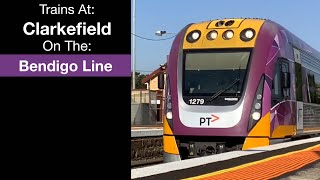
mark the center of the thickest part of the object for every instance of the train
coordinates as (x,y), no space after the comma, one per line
(237,84)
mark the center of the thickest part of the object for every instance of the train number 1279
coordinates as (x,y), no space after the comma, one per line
(196,101)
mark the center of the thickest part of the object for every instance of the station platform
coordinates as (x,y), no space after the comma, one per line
(268,168)
(146,131)
(285,161)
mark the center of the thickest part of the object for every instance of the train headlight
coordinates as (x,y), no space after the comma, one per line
(256,109)
(212,35)
(256,115)
(169,115)
(228,34)
(193,36)
(247,34)
(257,106)
(168,107)
(259,96)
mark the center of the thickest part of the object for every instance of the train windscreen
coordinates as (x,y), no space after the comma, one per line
(214,74)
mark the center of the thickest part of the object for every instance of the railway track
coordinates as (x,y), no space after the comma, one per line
(146,162)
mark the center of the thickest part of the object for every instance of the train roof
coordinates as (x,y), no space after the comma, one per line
(292,38)
(298,43)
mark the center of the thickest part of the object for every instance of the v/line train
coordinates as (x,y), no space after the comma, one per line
(238,84)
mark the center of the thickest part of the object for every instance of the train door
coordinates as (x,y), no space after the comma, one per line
(284,115)
(299,94)
(279,92)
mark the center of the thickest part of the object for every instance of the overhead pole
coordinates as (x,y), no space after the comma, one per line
(134,46)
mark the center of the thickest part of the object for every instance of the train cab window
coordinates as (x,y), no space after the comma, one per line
(217,73)
(278,92)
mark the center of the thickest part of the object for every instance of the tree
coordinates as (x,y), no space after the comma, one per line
(139,78)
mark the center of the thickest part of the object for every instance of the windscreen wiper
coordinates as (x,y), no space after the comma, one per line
(223,90)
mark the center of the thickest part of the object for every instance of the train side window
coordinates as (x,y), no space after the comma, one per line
(299,83)
(314,86)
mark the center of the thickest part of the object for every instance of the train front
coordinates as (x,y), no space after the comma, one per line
(215,89)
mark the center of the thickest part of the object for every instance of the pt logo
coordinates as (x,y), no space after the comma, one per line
(205,121)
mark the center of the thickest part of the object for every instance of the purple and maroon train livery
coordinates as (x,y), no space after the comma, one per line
(238,84)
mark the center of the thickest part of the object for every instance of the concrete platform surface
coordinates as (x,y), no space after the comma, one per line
(146,131)
(311,172)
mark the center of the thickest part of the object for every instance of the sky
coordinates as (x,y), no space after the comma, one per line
(301,17)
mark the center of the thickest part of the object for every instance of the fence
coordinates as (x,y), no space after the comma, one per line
(140,96)
(146,107)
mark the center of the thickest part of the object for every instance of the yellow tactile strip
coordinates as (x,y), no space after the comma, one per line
(268,168)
